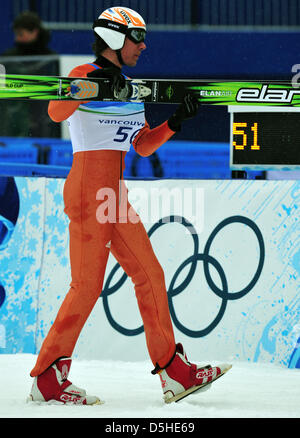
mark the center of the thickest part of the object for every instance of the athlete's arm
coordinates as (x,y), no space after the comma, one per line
(148,140)
(59,111)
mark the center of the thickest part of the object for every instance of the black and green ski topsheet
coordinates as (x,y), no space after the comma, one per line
(267,93)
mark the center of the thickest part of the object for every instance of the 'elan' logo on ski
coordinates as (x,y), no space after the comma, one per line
(215,93)
(265,94)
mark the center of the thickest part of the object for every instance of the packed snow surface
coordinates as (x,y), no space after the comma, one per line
(248,390)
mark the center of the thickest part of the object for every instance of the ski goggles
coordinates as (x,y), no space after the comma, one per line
(136,35)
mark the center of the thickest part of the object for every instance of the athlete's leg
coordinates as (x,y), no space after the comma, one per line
(88,257)
(133,250)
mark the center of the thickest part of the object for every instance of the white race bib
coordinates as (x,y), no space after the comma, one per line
(105,125)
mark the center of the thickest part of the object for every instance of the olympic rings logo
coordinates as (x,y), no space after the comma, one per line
(223,293)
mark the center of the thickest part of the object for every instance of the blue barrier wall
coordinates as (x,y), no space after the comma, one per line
(175,159)
(281,13)
(202,54)
(192,54)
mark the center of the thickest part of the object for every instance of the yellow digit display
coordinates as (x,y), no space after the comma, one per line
(241,132)
(255,146)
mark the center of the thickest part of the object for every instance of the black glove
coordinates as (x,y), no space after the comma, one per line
(118,86)
(186,110)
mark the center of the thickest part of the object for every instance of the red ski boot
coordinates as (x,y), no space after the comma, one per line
(52,386)
(181,378)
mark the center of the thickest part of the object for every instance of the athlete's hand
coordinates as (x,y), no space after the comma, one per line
(186,110)
(117,81)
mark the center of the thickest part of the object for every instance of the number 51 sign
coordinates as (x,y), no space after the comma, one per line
(244,137)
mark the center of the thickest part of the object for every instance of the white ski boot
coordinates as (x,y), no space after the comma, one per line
(52,386)
(182,378)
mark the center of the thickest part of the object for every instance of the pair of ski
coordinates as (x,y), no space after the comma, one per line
(209,92)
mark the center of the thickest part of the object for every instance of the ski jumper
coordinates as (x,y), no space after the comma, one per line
(101,133)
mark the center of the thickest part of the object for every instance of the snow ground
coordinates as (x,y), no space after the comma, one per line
(248,390)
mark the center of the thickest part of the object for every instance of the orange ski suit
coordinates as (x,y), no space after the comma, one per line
(90,241)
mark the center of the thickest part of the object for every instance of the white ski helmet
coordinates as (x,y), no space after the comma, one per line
(114,24)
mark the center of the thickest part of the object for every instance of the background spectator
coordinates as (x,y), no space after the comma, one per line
(25,118)
(31,38)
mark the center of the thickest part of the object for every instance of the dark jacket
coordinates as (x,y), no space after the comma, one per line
(38,47)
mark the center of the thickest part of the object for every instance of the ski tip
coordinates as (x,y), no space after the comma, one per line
(98,402)
(224,367)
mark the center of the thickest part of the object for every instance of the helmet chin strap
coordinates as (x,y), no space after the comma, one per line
(120,59)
